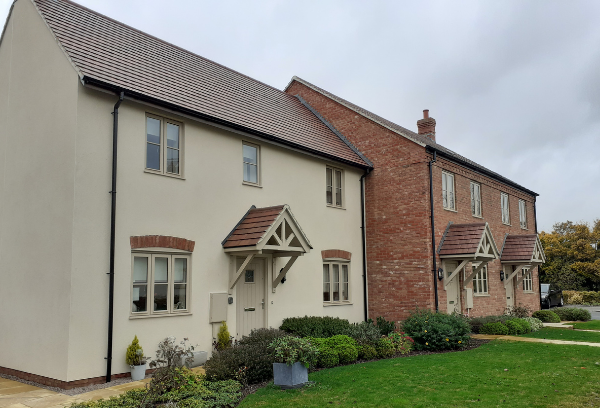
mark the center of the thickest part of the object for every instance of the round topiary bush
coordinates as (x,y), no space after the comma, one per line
(495,328)
(367,352)
(437,331)
(513,327)
(327,357)
(546,316)
(345,346)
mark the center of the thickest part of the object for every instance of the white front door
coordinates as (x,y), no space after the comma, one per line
(510,287)
(250,291)
(452,290)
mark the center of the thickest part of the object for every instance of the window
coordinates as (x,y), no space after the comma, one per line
(480,282)
(336,282)
(251,158)
(448,191)
(476,199)
(528,281)
(334,189)
(160,284)
(505,209)
(522,214)
(164,146)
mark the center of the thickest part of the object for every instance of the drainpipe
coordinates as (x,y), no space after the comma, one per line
(113,208)
(364,240)
(434,270)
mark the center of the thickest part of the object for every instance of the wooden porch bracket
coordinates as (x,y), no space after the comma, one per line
(456,271)
(512,275)
(285,269)
(239,272)
(524,276)
(472,275)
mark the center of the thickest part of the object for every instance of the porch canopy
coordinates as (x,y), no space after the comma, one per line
(267,230)
(521,251)
(466,243)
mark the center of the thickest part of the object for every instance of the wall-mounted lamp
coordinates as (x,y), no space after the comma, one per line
(282,279)
(501,275)
(440,273)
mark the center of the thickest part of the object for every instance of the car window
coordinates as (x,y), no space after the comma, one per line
(545,287)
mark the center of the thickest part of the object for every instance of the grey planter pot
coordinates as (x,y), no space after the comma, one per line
(294,376)
(138,372)
(200,358)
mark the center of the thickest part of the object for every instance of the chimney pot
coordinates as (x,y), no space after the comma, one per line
(425,113)
(426,125)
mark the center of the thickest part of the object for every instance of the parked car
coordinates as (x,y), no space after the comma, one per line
(551,296)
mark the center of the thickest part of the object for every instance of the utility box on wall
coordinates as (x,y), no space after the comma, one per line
(218,307)
(469,298)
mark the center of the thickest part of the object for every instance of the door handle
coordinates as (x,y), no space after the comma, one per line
(263,303)
(249,309)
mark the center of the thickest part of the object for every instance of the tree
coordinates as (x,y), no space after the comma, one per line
(572,256)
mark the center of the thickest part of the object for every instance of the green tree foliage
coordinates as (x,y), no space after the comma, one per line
(572,255)
(135,353)
(223,338)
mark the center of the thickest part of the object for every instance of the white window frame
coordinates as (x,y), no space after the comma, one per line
(341,264)
(480,281)
(171,311)
(523,214)
(448,191)
(476,200)
(258,167)
(335,187)
(504,199)
(528,281)
(163,146)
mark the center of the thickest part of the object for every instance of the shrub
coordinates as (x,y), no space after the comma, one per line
(572,297)
(384,326)
(290,350)
(402,343)
(385,347)
(494,328)
(546,316)
(513,327)
(345,346)
(437,331)
(251,352)
(365,333)
(366,352)
(478,322)
(315,326)
(520,311)
(327,357)
(572,313)
(135,353)
(525,327)
(535,324)
(223,337)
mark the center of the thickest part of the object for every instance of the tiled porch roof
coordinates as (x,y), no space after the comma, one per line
(518,248)
(462,239)
(253,226)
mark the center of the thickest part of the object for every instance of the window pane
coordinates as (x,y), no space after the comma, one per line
(249,278)
(152,156)
(179,296)
(180,270)
(250,154)
(140,269)
(326,288)
(329,190)
(338,197)
(153,130)
(173,161)
(250,173)
(336,283)
(344,282)
(140,298)
(161,270)
(160,297)
(172,135)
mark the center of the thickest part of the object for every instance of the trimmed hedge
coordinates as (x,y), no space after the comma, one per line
(496,328)
(437,331)
(335,350)
(315,326)
(572,313)
(573,297)
(478,322)
(546,316)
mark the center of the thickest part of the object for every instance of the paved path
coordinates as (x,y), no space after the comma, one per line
(532,340)
(14,394)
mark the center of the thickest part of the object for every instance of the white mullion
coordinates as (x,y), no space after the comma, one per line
(151,284)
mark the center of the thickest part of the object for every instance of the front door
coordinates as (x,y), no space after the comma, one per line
(250,291)
(510,287)
(452,289)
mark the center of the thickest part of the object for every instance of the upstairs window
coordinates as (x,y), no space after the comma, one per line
(527,281)
(476,199)
(163,146)
(480,282)
(505,208)
(251,163)
(522,214)
(336,282)
(448,191)
(334,187)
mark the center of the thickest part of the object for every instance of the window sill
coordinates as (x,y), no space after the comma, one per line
(481,295)
(450,209)
(525,229)
(158,173)
(247,183)
(508,225)
(478,216)
(528,292)
(336,207)
(337,304)
(152,316)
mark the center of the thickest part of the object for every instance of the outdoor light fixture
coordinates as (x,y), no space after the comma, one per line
(440,273)
(501,275)
(284,278)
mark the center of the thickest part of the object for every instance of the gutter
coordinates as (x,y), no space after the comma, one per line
(113,208)
(433,254)
(363,222)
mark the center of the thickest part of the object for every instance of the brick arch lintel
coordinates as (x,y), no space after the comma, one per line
(161,241)
(336,253)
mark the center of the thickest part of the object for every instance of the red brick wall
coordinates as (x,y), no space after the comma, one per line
(398,216)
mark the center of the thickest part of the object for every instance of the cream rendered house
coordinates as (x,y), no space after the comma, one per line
(232,200)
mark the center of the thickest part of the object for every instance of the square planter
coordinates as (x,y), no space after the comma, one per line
(294,376)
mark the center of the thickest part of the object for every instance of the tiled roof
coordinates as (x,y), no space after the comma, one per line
(518,248)
(415,137)
(115,56)
(251,229)
(462,239)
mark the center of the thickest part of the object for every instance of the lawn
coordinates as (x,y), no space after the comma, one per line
(564,334)
(591,325)
(500,373)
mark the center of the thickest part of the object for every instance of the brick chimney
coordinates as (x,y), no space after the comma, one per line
(426,125)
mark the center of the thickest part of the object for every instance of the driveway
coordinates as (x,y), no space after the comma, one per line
(594,310)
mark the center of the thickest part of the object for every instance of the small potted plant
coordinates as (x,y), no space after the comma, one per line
(293,356)
(136,360)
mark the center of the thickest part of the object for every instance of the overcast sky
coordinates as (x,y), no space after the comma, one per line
(513,85)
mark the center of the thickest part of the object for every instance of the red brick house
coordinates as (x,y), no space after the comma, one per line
(484,251)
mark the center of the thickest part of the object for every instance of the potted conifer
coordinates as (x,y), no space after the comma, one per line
(293,356)
(136,360)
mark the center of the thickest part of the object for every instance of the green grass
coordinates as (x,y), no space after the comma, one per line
(591,325)
(564,334)
(539,375)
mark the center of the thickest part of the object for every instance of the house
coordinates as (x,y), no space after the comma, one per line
(210,205)
(483,254)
